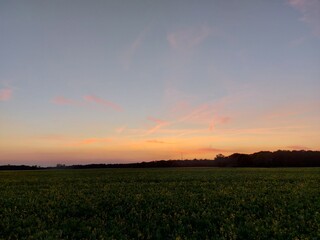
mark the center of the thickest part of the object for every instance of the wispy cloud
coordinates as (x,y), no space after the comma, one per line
(186,120)
(156,141)
(206,114)
(102,102)
(298,147)
(72,141)
(198,114)
(87,101)
(310,10)
(129,53)
(159,124)
(60,100)
(185,39)
(121,129)
(217,121)
(169,131)
(5,94)
(88,141)
(212,150)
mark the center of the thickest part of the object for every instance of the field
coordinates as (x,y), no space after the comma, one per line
(175,203)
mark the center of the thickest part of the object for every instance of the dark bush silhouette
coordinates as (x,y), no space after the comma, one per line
(280,158)
(20,167)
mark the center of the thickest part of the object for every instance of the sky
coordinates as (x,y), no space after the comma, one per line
(120,81)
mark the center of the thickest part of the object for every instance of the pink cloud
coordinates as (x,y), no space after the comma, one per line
(310,10)
(210,149)
(158,121)
(184,119)
(159,124)
(5,94)
(218,121)
(224,119)
(205,114)
(176,132)
(186,39)
(198,114)
(70,141)
(94,140)
(298,147)
(60,100)
(156,141)
(202,115)
(179,107)
(102,102)
(212,126)
(195,118)
(121,129)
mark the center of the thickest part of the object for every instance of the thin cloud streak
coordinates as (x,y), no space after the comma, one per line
(121,129)
(102,102)
(159,124)
(167,131)
(71,141)
(205,116)
(186,39)
(156,141)
(131,51)
(87,99)
(217,121)
(60,100)
(298,147)
(212,150)
(94,141)
(5,94)
(227,132)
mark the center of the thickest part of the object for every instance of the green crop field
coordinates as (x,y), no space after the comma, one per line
(181,203)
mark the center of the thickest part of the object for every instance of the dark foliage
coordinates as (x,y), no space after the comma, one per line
(19,167)
(259,159)
(279,158)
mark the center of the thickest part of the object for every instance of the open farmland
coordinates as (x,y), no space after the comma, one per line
(175,203)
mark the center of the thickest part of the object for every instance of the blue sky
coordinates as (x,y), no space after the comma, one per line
(120,81)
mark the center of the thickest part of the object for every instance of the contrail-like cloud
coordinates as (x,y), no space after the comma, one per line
(102,102)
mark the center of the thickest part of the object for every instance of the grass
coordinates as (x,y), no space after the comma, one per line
(181,203)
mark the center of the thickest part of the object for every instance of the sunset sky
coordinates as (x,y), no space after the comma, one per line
(140,80)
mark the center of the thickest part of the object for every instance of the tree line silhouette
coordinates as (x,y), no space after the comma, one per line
(280,158)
